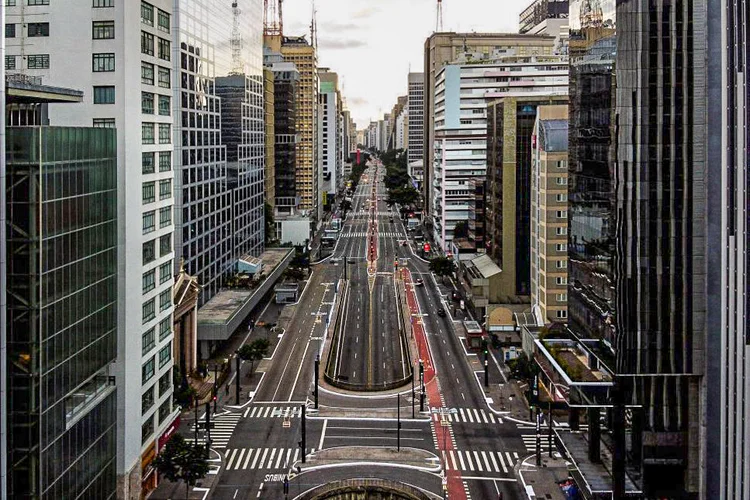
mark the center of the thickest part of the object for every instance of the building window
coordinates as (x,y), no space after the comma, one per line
(104,3)
(149,311)
(104,94)
(10,3)
(37,2)
(165,189)
(561,264)
(165,355)
(165,300)
(562,197)
(561,297)
(165,50)
(165,161)
(165,328)
(147,429)
(103,30)
(104,123)
(165,133)
(149,192)
(149,281)
(147,133)
(165,105)
(147,43)
(561,231)
(561,280)
(37,61)
(10,30)
(147,73)
(147,370)
(10,62)
(147,13)
(165,272)
(147,103)
(148,222)
(38,29)
(561,247)
(165,245)
(165,410)
(561,314)
(562,214)
(561,181)
(148,341)
(165,80)
(165,383)
(163,21)
(147,400)
(147,162)
(165,216)
(149,251)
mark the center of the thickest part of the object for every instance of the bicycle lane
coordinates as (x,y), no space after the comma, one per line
(455,484)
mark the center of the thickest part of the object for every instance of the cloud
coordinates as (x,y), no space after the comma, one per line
(341,43)
(365,12)
(333,26)
(357,101)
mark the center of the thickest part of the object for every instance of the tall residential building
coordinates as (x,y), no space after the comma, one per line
(415,135)
(384,132)
(402,122)
(63,265)
(461,93)
(286,79)
(302,54)
(443,48)
(549,199)
(270,138)
(329,135)
(727,371)
(120,54)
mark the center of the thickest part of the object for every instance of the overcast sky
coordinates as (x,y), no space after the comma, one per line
(372,44)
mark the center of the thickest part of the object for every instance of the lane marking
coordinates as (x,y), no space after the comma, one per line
(323,434)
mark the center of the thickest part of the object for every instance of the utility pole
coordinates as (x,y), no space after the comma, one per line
(208,426)
(237,388)
(412,395)
(486,368)
(317,372)
(421,383)
(303,441)
(538,437)
(549,434)
(196,404)
(398,427)
(216,387)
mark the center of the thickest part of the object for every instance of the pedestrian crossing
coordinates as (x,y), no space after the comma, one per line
(272,412)
(367,213)
(387,234)
(261,458)
(479,461)
(223,427)
(529,441)
(466,415)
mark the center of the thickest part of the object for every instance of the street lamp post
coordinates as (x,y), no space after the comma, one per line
(237,375)
(398,427)
(317,373)
(216,387)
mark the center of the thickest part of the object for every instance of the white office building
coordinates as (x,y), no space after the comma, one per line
(461,91)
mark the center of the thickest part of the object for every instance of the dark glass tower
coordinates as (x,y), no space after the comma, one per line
(62,312)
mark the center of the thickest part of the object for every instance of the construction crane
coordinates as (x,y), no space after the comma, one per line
(273,17)
(439,18)
(238,65)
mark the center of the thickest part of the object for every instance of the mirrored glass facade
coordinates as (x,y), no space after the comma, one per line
(62,311)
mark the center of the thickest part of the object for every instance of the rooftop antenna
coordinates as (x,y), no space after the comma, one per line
(273,17)
(314,27)
(238,65)
(439,19)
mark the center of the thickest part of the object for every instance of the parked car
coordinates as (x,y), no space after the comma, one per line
(419,282)
(441,312)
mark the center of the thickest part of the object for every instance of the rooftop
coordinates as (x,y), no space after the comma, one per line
(483,267)
(23,89)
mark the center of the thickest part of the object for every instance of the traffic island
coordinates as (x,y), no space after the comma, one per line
(412,458)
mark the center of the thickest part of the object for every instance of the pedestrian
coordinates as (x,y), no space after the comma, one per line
(226,387)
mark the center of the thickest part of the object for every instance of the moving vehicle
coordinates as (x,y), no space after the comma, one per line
(419,282)
(441,312)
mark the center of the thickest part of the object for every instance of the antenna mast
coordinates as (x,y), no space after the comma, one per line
(314,28)
(439,19)
(238,65)
(273,17)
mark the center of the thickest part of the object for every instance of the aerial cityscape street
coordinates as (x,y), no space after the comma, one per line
(345,249)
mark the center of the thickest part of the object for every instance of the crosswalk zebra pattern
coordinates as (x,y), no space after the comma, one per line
(529,441)
(272,412)
(366,213)
(261,458)
(387,234)
(223,427)
(480,461)
(469,415)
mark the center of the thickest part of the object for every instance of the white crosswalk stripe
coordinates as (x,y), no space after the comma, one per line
(221,432)
(273,412)
(471,416)
(529,441)
(261,458)
(491,462)
(386,234)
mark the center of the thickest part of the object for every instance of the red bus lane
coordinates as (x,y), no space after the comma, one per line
(444,441)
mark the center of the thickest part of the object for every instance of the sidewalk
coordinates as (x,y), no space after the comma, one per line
(542,482)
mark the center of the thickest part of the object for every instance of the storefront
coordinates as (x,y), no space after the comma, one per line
(148,473)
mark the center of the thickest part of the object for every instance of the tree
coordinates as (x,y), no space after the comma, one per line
(182,461)
(460,230)
(294,273)
(442,266)
(402,196)
(254,351)
(270,223)
(522,368)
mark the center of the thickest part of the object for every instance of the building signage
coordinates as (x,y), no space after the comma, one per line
(167,435)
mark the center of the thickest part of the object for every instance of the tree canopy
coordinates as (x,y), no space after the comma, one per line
(442,266)
(183,461)
(254,351)
(461,230)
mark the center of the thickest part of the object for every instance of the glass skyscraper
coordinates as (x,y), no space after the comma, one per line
(62,311)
